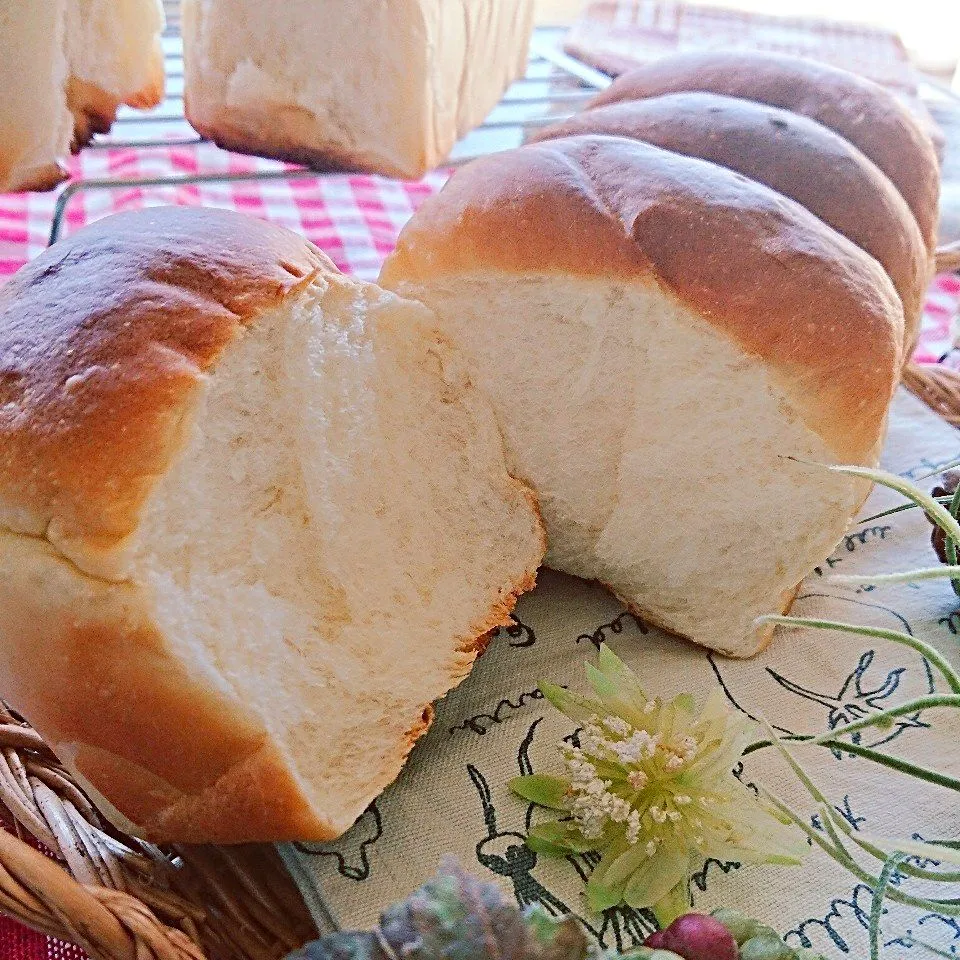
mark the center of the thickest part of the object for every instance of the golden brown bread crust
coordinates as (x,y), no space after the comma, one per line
(791,154)
(94,109)
(868,115)
(179,757)
(231,134)
(91,411)
(815,308)
(43,177)
(244,132)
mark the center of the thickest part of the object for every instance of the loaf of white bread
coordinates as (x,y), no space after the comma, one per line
(386,86)
(255,518)
(670,344)
(67,66)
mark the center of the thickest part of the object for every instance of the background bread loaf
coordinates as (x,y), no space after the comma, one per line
(255,520)
(661,337)
(387,87)
(67,66)
(863,112)
(793,155)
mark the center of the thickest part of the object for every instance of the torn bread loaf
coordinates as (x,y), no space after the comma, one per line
(793,155)
(661,337)
(68,65)
(256,519)
(387,87)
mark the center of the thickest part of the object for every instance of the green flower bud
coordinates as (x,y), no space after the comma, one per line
(648,953)
(766,947)
(741,927)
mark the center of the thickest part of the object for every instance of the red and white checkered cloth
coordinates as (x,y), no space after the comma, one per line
(354,219)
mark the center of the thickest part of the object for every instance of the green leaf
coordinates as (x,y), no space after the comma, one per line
(542,790)
(685,702)
(577,708)
(562,836)
(654,881)
(618,673)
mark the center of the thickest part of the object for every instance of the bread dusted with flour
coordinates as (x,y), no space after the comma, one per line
(67,67)
(386,86)
(861,111)
(791,154)
(661,337)
(255,520)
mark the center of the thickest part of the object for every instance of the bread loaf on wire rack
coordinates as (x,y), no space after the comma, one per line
(67,66)
(386,87)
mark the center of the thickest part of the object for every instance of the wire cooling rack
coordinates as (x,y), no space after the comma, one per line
(554,87)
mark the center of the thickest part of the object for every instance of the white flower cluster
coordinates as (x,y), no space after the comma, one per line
(592,802)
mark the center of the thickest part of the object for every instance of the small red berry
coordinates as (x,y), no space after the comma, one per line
(696,936)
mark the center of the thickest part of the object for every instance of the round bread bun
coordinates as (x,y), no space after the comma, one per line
(868,115)
(793,155)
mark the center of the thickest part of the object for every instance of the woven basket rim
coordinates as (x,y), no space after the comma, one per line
(118,897)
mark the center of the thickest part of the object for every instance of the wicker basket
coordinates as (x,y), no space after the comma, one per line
(120,898)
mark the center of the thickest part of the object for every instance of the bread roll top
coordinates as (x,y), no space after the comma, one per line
(868,115)
(759,267)
(104,339)
(789,153)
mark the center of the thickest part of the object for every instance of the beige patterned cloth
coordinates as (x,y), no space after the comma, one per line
(452,798)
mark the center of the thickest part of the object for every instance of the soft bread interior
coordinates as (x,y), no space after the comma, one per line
(337,534)
(656,446)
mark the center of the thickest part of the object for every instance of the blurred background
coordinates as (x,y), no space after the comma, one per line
(930,29)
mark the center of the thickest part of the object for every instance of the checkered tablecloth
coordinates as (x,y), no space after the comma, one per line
(354,219)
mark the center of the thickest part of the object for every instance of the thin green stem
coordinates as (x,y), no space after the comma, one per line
(918,848)
(902,710)
(907,576)
(903,506)
(935,658)
(949,465)
(937,512)
(895,763)
(947,907)
(919,873)
(936,951)
(950,542)
(876,906)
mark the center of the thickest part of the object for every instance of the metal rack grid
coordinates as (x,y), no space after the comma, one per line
(554,86)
